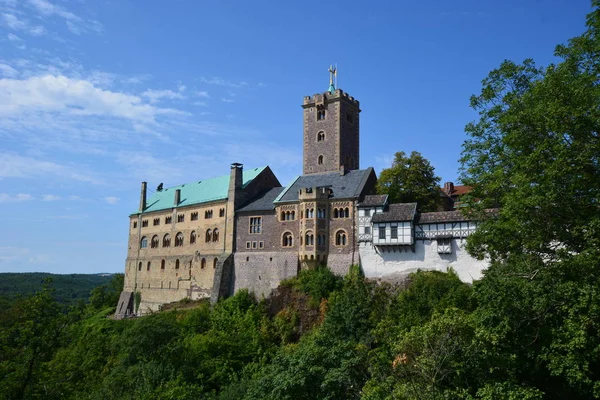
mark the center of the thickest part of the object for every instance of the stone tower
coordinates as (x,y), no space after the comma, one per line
(331,132)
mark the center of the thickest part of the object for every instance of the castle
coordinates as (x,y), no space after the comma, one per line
(210,238)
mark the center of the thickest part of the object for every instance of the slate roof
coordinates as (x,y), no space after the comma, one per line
(197,192)
(263,201)
(397,212)
(442,216)
(374,200)
(346,186)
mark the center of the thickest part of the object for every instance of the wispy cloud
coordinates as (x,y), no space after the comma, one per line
(202,94)
(17,198)
(227,100)
(17,24)
(16,166)
(8,71)
(112,200)
(75,24)
(50,197)
(156,95)
(223,82)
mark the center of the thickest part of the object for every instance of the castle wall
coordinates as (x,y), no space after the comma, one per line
(425,257)
(261,272)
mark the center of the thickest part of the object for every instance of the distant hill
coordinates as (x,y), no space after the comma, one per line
(69,288)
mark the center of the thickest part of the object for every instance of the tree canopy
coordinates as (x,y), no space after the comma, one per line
(411,179)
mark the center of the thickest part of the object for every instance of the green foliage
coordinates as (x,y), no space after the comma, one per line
(107,295)
(317,282)
(411,179)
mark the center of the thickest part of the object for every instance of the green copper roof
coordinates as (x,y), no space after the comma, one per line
(197,192)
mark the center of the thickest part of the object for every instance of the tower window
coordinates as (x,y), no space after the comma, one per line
(320,115)
(320,160)
(320,136)
(349,118)
(340,238)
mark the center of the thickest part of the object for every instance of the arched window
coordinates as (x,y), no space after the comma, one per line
(148,266)
(336,213)
(167,240)
(293,215)
(215,235)
(320,160)
(215,262)
(346,212)
(144,242)
(340,238)
(162,264)
(140,266)
(177,264)
(203,263)
(320,136)
(193,237)
(179,239)
(283,215)
(309,238)
(154,242)
(288,215)
(208,236)
(287,240)
(307,213)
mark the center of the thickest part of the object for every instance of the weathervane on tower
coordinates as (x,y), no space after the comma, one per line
(332,78)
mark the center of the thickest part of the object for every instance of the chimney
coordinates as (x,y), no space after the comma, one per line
(448,187)
(177,197)
(236,178)
(143,196)
(342,170)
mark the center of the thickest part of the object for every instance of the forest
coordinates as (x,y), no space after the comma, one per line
(529,329)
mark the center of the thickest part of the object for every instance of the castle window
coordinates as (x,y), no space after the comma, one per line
(320,213)
(261,245)
(208,236)
(293,215)
(309,239)
(382,233)
(255,224)
(144,242)
(215,235)
(283,215)
(394,232)
(181,218)
(167,240)
(349,118)
(177,264)
(156,221)
(287,240)
(144,223)
(215,262)
(194,216)
(203,263)
(310,213)
(168,219)
(254,244)
(193,237)
(340,238)
(162,264)
(320,160)
(148,266)
(336,213)
(320,115)
(320,136)
(134,224)
(140,266)
(179,239)
(247,245)
(222,212)
(208,214)
(154,242)
(346,212)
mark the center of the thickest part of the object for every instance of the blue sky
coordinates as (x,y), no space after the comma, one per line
(98,95)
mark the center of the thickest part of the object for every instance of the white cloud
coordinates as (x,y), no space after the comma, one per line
(111,200)
(202,94)
(222,82)
(226,100)
(51,93)
(50,197)
(75,24)
(200,103)
(156,95)
(181,87)
(8,71)
(13,22)
(14,38)
(16,166)
(75,198)
(18,198)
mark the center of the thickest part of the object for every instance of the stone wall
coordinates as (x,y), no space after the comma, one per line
(261,272)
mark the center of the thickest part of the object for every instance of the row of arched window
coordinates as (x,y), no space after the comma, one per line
(212,235)
(163,264)
(288,215)
(287,240)
(341,212)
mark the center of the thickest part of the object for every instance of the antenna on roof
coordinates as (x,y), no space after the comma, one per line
(159,188)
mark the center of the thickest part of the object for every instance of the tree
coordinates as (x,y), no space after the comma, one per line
(411,179)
